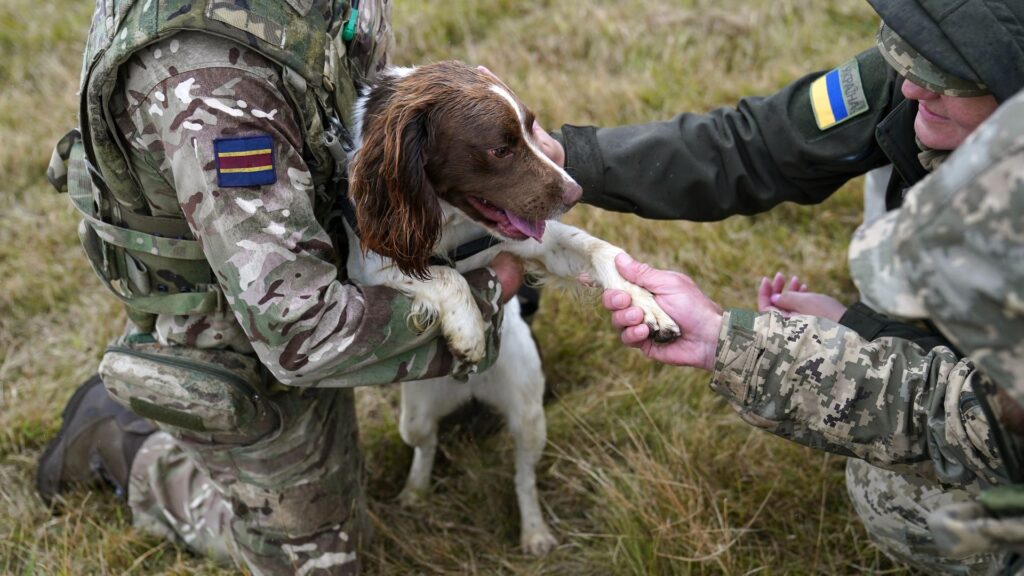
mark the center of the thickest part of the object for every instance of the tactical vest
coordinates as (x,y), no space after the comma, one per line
(123,241)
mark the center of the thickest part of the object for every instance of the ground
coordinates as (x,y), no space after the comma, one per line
(646,471)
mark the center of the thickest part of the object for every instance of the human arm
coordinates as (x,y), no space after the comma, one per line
(820,384)
(281,276)
(730,161)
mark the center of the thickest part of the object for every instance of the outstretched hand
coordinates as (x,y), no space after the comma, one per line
(699,318)
(789,298)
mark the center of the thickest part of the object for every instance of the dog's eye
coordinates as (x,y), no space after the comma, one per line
(501,151)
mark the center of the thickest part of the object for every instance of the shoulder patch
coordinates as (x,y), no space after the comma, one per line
(838,96)
(245,161)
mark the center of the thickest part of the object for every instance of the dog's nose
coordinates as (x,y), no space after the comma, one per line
(571,193)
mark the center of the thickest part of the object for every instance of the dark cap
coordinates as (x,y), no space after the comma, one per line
(910,64)
(976,41)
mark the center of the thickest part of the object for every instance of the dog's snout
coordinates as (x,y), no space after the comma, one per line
(571,193)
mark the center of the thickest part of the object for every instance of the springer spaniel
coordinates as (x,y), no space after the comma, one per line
(444,154)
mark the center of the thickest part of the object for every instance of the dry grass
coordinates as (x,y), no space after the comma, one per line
(646,472)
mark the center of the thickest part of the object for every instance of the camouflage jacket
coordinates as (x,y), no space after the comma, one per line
(886,401)
(280,272)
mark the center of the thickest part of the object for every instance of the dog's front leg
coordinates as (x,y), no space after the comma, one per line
(567,252)
(446,297)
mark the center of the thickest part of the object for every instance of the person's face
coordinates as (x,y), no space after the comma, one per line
(944,122)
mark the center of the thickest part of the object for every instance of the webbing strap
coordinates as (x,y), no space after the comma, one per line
(142,242)
(199,302)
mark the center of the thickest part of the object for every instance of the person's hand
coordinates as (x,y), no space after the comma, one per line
(789,298)
(549,146)
(698,317)
(509,270)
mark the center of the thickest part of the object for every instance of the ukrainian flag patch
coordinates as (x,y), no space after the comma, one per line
(245,161)
(838,96)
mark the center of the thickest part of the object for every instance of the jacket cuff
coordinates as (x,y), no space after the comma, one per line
(739,348)
(583,158)
(863,320)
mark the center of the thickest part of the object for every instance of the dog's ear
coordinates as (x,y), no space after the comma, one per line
(398,213)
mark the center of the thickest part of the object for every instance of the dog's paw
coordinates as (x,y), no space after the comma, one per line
(466,336)
(538,542)
(412,497)
(663,328)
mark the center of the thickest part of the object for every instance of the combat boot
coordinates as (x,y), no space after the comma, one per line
(95,446)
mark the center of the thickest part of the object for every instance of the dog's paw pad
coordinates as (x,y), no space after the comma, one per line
(538,542)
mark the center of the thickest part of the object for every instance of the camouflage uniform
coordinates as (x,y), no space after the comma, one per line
(955,254)
(245,337)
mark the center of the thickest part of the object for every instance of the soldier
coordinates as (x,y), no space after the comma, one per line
(207,167)
(930,419)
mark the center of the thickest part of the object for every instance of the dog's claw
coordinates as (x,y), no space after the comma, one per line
(664,334)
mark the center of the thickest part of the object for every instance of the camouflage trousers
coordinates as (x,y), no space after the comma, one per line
(283,499)
(894,507)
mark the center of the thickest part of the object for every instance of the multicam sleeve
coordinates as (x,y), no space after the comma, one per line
(227,141)
(887,401)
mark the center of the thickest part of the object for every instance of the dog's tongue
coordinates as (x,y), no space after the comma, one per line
(533,229)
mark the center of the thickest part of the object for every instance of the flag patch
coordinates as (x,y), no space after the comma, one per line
(245,161)
(838,96)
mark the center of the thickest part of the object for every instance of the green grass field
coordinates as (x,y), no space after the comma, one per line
(646,471)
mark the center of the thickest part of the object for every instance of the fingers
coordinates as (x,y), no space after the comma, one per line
(615,300)
(635,336)
(487,71)
(628,318)
(788,300)
(778,283)
(643,275)
(794,284)
(764,294)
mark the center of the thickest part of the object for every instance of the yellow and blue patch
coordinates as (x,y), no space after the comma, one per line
(245,161)
(838,96)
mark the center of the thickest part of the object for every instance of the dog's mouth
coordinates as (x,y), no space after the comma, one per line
(507,223)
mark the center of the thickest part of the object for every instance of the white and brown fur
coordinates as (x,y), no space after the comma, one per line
(427,139)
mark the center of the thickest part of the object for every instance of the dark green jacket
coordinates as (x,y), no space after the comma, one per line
(747,159)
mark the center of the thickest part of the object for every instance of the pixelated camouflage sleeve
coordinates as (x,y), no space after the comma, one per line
(273,261)
(887,401)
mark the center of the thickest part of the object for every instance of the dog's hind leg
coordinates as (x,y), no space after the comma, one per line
(529,430)
(515,387)
(424,403)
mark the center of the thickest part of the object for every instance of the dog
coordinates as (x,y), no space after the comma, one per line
(444,155)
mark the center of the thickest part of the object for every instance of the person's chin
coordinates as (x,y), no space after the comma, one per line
(935,137)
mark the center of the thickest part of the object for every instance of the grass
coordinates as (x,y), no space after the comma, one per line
(646,470)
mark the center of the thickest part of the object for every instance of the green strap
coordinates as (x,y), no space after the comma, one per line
(142,242)
(75,180)
(200,302)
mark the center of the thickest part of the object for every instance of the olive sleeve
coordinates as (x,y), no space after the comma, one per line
(741,160)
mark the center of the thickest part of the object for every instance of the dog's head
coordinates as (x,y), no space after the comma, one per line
(448,131)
